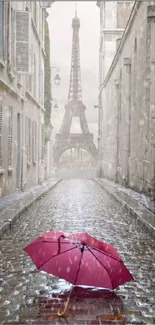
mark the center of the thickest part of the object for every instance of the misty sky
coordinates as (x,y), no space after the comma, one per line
(60,20)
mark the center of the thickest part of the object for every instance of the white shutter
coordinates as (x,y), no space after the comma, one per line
(10,120)
(1,117)
(23,42)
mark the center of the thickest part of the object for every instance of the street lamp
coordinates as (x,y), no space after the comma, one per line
(57,77)
(55,107)
(57,80)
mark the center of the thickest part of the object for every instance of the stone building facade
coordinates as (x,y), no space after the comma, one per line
(128,105)
(21,95)
(113,18)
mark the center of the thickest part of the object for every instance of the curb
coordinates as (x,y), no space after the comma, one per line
(136,213)
(6,225)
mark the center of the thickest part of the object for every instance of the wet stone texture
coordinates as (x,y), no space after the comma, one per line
(30,296)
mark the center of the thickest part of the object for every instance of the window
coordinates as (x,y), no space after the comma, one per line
(135,76)
(29,77)
(22,42)
(42,87)
(34,76)
(123,13)
(10,120)
(120,97)
(12,38)
(34,141)
(2,29)
(42,136)
(28,139)
(1,117)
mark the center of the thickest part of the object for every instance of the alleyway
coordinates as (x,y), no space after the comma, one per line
(76,205)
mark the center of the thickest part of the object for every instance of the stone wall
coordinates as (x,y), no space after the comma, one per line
(21,96)
(128,98)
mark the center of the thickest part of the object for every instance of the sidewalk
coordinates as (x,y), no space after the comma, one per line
(139,205)
(12,206)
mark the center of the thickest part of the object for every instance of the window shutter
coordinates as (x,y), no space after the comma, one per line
(42,151)
(1,117)
(2,29)
(42,88)
(22,42)
(10,136)
(12,39)
(34,76)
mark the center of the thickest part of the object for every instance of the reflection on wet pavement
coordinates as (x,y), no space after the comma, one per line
(27,295)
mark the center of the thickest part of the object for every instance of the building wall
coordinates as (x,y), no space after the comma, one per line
(113,18)
(128,97)
(22,89)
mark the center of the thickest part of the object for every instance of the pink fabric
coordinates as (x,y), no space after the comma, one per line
(99,265)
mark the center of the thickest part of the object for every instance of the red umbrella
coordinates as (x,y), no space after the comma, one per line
(79,259)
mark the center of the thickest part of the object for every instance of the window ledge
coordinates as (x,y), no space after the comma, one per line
(2,171)
(2,63)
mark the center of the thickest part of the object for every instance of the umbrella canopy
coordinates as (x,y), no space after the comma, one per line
(79,259)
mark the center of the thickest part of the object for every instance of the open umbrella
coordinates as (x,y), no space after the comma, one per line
(79,259)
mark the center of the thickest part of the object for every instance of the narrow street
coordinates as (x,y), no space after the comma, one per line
(76,206)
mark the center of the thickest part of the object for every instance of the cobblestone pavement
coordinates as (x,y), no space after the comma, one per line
(29,296)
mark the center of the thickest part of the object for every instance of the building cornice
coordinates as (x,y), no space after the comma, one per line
(133,14)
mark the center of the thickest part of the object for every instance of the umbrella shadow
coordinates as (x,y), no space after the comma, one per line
(87,305)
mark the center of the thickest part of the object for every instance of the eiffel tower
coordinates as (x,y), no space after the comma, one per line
(75,107)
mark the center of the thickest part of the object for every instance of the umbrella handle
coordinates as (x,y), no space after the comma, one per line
(59,313)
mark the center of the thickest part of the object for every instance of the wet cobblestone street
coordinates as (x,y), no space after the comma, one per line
(27,295)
